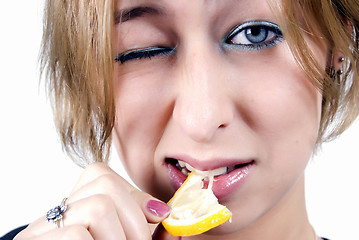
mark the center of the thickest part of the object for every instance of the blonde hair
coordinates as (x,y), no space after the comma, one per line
(77,61)
(337,23)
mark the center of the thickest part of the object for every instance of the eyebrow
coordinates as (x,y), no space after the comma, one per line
(136,12)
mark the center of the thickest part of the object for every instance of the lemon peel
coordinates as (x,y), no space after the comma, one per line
(195,210)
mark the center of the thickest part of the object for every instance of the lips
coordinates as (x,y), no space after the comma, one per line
(229,175)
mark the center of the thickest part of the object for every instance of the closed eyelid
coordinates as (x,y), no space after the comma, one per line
(144,53)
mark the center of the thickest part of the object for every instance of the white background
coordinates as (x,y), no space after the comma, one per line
(35,175)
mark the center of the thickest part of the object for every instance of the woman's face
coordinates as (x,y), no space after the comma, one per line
(213,84)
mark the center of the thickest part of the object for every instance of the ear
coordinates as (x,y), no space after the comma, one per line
(337,56)
(337,60)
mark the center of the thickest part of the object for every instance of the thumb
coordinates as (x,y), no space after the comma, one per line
(161,234)
(155,210)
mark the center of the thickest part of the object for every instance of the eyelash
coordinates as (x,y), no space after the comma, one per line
(144,53)
(270,29)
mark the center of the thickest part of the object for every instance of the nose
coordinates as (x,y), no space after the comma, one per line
(203,106)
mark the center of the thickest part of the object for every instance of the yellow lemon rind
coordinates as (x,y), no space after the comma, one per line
(201,225)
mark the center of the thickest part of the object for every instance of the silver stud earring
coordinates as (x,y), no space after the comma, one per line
(340,71)
(333,73)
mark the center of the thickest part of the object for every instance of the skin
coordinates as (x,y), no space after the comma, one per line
(205,101)
(214,103)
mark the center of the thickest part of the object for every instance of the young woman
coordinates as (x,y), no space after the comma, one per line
(253,86)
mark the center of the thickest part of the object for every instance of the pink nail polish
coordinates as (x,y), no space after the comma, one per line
(158,208)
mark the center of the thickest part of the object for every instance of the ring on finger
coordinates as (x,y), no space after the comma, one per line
(55,214)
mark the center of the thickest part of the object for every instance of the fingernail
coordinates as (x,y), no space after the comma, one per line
(158,208)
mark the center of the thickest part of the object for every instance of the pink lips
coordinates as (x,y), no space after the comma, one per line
(223,185)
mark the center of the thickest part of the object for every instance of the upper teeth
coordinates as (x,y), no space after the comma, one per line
(214,172)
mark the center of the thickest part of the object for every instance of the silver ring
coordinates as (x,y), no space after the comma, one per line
(55,214)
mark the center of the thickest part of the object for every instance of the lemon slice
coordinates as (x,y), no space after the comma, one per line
(195,210)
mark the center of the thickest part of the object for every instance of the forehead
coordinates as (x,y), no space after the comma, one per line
(183,7)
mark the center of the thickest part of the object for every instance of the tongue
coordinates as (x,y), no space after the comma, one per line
(231,168)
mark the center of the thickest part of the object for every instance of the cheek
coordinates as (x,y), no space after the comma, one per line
(141,114)
(291,127)
(292,110)
(293,105)
(283,109)
(283,103)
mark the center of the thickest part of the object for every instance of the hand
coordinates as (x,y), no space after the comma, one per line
(103,206)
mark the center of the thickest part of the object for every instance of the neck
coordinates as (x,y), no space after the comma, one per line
(288,220)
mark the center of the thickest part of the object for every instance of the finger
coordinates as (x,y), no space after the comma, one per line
(75,232)
(124,194)
(92,172)
(160,233)
(135,208)
(101,221)
(154,209)
(99,215)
